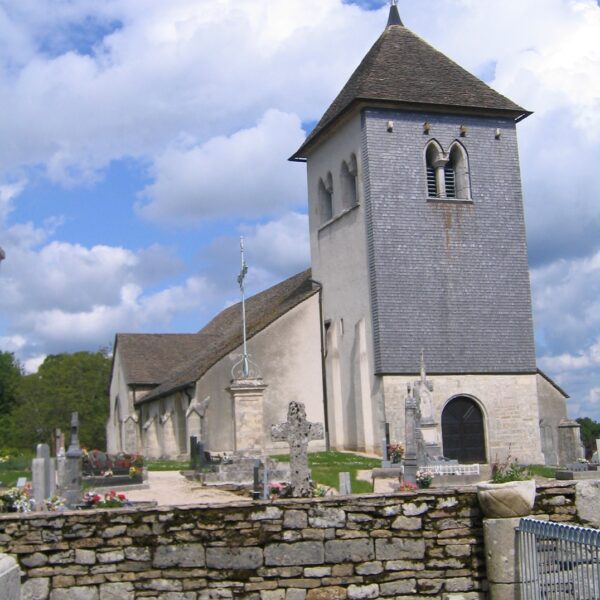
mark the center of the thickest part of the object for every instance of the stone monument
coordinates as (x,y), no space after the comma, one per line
(430,447)
(411,427)
(43,476)
(569,442)
(297,432)
(71,487)
(247,389)
(194,417)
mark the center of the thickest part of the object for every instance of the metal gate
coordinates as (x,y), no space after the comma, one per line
(558,561)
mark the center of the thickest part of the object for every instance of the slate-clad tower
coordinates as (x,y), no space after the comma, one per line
(418,239)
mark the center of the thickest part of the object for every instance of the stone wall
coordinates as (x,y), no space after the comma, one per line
(426,544)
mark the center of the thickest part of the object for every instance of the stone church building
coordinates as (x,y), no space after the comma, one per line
(418,244)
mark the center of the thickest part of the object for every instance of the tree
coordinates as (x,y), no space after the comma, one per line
(590,432)
(10,376)
(63,384)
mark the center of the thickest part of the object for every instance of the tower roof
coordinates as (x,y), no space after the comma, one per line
(403,71)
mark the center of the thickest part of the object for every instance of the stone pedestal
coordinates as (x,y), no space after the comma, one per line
(500,539)
(247,397)
(569,442)
(10,578)
(431,439)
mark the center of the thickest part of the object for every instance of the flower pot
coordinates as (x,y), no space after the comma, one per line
(505,500)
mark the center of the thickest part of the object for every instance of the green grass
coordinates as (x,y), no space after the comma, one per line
(16,466)
(542,471)
(326,467)
(167,465)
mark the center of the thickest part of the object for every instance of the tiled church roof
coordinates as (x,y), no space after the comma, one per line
(223,334)
(149,358)
(402,70)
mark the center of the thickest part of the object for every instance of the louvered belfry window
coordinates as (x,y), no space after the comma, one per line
(450,180)
(431,184)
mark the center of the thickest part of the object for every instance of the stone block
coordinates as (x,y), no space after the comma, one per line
(407,523)
(270,513)
(85,557)
(137,554)
(337,551)
(459,584)
(180,555)
(317,572)
(37,588)
(37,559)
(369,568)
(234,558)
(117,591)
(360,592)
(295,594)
(295,519)
(399,548)
(110,557)
(75,593)
(322,518)
(411,509)
(587,500)
(181,596)
(394,588)
(300,553)
(500,550)
(327,593)
(272,595)
(10,578)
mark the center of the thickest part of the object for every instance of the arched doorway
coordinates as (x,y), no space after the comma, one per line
(463,434)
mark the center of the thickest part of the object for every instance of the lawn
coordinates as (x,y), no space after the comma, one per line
(326,467)
(153,464)
(12,467)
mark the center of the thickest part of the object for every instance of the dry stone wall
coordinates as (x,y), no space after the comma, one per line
(420,545)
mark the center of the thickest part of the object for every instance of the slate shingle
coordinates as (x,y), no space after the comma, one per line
(402,69)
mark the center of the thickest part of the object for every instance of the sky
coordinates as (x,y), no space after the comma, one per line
(140,138)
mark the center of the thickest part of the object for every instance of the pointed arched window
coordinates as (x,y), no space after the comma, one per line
(349,181)
(434,164)
(326,198)
(458,173)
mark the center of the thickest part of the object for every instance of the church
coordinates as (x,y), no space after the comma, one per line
(418,249)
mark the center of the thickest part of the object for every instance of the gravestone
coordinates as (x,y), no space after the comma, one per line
(43,476)
(72,489)
(411,426)
(428,437)
(297,432)
(345,484)
(569,442)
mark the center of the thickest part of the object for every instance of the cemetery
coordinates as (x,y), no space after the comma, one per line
(463,483)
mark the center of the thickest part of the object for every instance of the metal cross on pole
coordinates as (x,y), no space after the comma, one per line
(240,279)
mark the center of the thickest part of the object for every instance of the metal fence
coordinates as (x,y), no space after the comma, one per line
(558,561)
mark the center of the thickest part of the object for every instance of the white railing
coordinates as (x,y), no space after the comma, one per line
(450,469)
(558,561)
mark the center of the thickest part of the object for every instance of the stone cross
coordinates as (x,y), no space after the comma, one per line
(297,432)
(411,426)
(43,476)
(71,486)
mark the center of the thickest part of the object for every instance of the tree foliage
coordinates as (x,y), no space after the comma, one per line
(63,384)
(10,376)
(590,432)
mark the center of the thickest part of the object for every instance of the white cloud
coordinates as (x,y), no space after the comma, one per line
(245,174)
(184,66)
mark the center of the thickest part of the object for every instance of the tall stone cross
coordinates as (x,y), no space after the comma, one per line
(297,432)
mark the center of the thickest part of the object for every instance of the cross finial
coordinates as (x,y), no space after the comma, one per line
(240,279)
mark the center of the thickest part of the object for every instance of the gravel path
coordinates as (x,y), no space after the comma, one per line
(171,488)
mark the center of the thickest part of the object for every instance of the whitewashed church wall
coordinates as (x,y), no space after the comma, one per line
(288,355)
(553,410)
(120,391)
(509,404)
(339,262)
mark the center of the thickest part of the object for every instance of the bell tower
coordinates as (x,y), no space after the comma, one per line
(417,236)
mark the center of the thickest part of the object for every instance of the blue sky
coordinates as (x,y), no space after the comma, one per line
(140,139)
